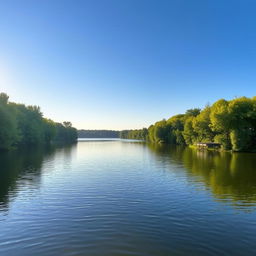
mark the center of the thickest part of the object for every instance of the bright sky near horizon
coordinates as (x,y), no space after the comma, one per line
(114,64)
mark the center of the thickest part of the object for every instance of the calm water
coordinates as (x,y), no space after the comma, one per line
(119,198)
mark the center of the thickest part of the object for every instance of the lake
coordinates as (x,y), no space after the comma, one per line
(120,198)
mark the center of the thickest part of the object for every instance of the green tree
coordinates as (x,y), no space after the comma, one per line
(25,125)
(162,132)
(177,127)
(8,127)
(189,134)
(221,122)
(242,115)
(193,112)
(202,126)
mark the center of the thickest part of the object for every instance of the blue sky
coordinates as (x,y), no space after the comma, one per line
(126,63)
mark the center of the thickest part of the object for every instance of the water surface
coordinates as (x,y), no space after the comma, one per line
(117,198)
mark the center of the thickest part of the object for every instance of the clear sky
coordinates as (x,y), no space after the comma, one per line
(126,63)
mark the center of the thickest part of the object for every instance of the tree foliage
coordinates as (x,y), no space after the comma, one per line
(25,125)
(139,134)
(98,134)
(230,123)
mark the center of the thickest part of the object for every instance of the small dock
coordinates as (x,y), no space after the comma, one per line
(208,145)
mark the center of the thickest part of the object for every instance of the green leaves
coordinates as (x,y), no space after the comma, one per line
(231,123)
(8,128)
(20,124)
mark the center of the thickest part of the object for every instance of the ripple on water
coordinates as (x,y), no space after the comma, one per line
(115,198)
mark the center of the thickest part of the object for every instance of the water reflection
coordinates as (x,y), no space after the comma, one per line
(21,169)
(230,176)
(117,198)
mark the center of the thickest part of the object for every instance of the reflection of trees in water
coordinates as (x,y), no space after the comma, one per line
(166,154)
(21,169)
(229,176)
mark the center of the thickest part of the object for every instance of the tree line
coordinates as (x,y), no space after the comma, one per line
(138,134)
(25,125)
(98,134)
(230,123)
